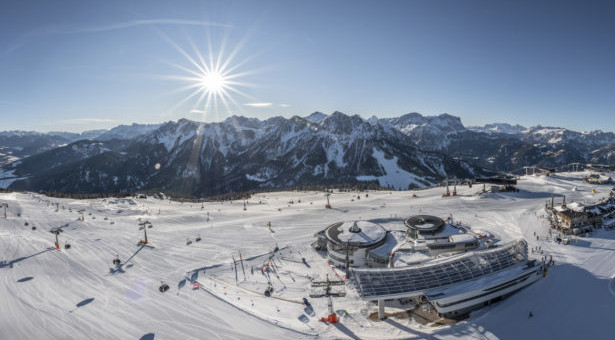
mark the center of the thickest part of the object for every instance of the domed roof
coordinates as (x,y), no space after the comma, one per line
(425,223)
(356,233)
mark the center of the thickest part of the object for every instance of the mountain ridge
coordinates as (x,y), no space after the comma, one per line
(242,153)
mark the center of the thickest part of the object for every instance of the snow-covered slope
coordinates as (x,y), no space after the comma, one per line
(79,294)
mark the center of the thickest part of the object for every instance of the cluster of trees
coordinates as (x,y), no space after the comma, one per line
(85,196)
(229,196)
(348,187)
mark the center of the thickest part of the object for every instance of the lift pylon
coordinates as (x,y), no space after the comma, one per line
(323,289)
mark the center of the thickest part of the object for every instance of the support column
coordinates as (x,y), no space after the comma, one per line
(381,309)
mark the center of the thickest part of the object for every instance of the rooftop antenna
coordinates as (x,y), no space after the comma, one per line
(354,228)
(552,201)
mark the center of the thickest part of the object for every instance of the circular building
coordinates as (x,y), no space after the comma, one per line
(425,225)
(354,239)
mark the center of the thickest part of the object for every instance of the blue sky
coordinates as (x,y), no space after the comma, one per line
(76,65)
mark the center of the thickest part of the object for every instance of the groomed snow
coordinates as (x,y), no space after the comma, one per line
(79,294)
(394,176)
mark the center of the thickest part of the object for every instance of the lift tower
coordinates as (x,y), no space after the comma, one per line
(324,289)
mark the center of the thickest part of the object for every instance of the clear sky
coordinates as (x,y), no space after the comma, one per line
(76,65)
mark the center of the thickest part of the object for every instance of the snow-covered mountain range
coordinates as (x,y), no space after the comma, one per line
(239,153)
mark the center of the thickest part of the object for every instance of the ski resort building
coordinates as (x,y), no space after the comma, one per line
(381,256)
(369,244)
(435,235)
(577,218)
(353,240)
(425,227)
(454,285)
(597,179)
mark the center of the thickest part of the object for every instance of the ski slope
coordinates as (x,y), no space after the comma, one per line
(78,293)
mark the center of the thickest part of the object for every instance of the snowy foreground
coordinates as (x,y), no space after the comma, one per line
(79,293)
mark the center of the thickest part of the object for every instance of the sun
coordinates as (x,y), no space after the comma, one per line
(212,78)
(213,82)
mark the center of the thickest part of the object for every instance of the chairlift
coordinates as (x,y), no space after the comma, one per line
(198,238)
(116,260)
(188,241)
(33,228)
(66,245)
(268,291)
(163,287)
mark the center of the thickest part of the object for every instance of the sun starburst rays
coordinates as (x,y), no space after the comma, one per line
(213,79)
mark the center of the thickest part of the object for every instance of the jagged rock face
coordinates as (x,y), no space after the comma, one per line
(242,154)
(503,147)
(429,133)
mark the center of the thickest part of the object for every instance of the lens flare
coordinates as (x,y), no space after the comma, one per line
(212,78)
